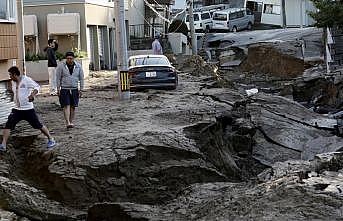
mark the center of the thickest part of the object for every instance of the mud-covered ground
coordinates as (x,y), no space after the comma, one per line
(204,151)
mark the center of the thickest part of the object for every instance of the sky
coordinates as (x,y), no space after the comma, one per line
(179,4)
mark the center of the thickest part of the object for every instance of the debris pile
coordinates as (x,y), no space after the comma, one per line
(196,66)
(279,59)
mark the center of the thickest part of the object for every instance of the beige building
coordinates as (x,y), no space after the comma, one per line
(11,50)
(11,46)
(86,25)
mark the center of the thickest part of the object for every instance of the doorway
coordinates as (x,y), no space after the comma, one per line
(256,8)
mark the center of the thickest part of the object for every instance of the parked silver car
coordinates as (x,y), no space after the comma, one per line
(233,19)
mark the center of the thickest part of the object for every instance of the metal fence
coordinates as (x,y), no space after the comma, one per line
(145,31)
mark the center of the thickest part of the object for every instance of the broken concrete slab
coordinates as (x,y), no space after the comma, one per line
(287,125)
(292,190)
(27,201)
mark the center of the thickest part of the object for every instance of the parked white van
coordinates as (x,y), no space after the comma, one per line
(202,21)
(232,19)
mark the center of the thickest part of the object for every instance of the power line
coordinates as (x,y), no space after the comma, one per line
(151,25)
(160,5)
(154,10)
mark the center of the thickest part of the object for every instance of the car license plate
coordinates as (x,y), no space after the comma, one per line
(150,74)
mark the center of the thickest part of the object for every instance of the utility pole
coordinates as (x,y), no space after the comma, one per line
(284,21)
(121,45)
(20,29)
(191,26)
(301,14)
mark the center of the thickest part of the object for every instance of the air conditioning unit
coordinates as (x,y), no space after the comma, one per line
(30,25)
(63,24)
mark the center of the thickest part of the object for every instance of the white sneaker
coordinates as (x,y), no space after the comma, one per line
(2,148)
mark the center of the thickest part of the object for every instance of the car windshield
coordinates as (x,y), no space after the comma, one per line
(219,17)
(148,61)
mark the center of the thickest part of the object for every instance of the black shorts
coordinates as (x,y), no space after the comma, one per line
(19,115)
(69,97)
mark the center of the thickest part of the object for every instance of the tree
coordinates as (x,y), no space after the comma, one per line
(329,13)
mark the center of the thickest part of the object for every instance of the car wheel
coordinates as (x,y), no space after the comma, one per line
(234,29)
(176,83)
(249,26)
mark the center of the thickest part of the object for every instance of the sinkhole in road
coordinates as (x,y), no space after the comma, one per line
(154,175)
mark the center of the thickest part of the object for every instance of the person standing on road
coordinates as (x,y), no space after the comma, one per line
(24,90)
(52,64)
(69,74)
(156,46)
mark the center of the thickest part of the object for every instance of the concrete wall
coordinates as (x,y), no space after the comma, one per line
(178,43)
(38,70)
(138,52)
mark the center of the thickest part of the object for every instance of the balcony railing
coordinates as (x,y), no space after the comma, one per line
(162,2)
(145,31)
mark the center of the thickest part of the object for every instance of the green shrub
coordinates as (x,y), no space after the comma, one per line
(80,54)
(59,56)
(329,14)
(34,57)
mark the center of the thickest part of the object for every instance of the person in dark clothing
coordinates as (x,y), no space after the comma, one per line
(52,64)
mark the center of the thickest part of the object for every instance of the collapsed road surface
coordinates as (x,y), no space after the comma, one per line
(196,153)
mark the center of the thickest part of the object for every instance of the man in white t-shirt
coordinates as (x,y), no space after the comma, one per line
(24,90)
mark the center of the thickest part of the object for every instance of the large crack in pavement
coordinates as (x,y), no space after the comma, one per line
(148,151)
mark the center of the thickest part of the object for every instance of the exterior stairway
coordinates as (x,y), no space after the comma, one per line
(335,49)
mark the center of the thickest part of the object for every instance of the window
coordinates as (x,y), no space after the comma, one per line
(233,15)
(240,14)
(272,9)
(8,11)
(219,17)
(148,61)
(195,17)
(205,16)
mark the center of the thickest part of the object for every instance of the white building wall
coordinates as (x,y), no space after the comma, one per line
(275,18)
(136,12)
(293,13)
(309,6)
